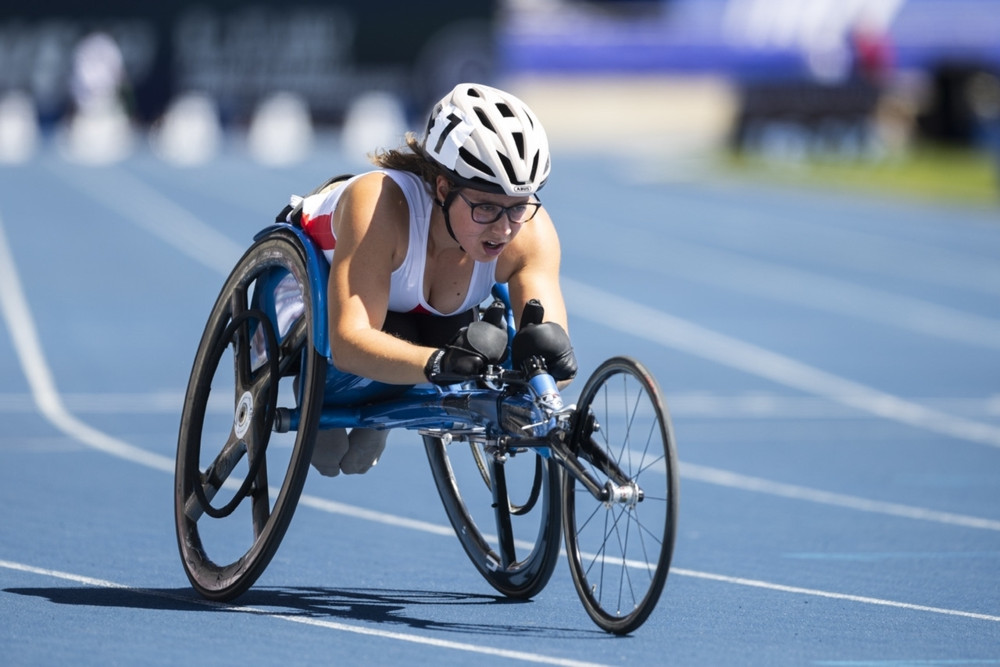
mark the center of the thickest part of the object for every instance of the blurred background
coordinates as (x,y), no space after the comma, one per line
(902,95)
(831,362)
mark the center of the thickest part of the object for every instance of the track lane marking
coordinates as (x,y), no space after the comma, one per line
(522,656)
(759,485)
(616,313)
(28,348)
(863,251)
(157,214)
(808,289)
(755,583)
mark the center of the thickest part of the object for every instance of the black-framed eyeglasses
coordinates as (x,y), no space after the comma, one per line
(486,213)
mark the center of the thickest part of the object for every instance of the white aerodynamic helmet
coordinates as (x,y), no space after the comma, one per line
(488,140)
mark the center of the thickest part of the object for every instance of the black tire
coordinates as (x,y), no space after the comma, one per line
(526,521)
(619,552)
(226,450)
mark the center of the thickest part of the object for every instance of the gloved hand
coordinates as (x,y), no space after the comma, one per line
(467,353)
(547,340)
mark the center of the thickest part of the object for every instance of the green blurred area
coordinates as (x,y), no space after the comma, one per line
(927,172)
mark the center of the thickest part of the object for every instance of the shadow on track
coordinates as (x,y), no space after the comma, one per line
(409,608)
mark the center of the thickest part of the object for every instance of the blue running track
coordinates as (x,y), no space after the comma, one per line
(832,364)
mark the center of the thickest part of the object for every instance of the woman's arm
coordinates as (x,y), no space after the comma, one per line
(533,272)
(371,226)
(535,275)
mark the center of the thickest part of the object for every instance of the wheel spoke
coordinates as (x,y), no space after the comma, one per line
(214,476)
(584,493)
(218,472)
(624,575)
(297,336)
(259,493)
(240,339)
(645,533)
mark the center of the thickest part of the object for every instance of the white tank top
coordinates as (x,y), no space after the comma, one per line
(406,288)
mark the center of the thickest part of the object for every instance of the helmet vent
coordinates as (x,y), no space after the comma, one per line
(509,168)
(476,163)
(485,120)
(472,92)
(504,110)
(519,142)
(534,168)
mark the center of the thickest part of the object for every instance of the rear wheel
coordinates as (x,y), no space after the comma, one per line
(619,548)
(255,355)
(505,511)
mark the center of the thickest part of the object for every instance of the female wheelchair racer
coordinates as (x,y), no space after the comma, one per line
(276,326)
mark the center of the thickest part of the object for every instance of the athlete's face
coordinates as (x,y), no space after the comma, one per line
(485,223)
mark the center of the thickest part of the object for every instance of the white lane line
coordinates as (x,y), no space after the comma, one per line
(621,314)
(159,215)
(754,583)
(334,507)
(43,387)
(866,251)
(739,273)
(146,403)
(522,656)
(811,290)
(758,485)
(388,519)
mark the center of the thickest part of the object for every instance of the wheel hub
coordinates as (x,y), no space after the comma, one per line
(244,415)
(627,494)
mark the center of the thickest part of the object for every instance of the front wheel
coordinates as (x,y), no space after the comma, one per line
(619,547)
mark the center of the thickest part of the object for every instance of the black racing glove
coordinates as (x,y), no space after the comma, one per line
(467,354)
(547,340)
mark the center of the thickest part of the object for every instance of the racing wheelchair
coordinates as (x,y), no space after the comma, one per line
(514,466)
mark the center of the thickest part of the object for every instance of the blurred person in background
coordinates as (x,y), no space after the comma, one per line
(98,78)
(99,130)
(416,245)
(873,52)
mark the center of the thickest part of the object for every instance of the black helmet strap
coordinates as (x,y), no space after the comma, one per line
(445,205)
